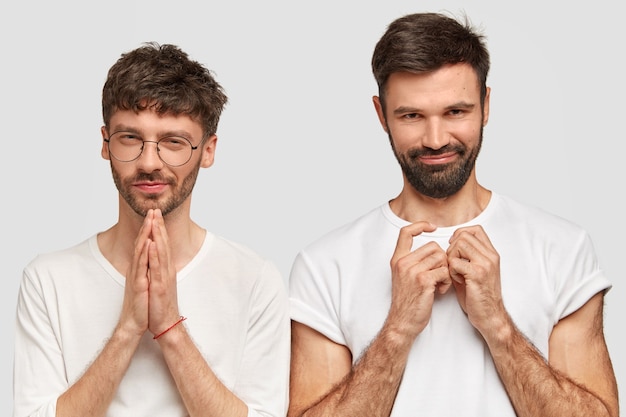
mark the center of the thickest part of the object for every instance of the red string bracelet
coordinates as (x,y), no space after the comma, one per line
(180,320)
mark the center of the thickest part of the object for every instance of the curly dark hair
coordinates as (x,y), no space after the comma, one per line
(163,78)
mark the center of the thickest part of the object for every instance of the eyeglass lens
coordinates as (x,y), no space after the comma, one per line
(173,150)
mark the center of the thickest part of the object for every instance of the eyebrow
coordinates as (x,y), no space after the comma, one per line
(179,133)
(461,105)
(457,105)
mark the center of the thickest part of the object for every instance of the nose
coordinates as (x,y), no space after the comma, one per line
(149,159)
(434,136)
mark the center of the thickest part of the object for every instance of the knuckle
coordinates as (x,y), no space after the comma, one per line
(402,264)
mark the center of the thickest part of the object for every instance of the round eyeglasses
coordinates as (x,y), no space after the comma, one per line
(172,150)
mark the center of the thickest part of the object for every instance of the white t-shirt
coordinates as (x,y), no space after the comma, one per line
(237,314)
(341,286)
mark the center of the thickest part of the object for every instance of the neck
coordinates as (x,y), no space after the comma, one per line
(185,237)
(456,209)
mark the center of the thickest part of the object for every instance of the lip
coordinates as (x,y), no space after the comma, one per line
(438,159)
(151,187)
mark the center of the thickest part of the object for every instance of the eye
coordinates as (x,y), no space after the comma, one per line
(460,112)
(127,138)
(174,143)
(410,116)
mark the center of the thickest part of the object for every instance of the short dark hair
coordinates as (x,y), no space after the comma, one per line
(424,42)
(163,78)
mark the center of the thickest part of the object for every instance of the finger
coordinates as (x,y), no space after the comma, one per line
(427,257)
(475,233)
(144,232)
(474,230)
(459,268)
(140,250)
(461,296)
(444,280)
(153,255)
(405,238)
(159,233)
(138,271)
(469,245)
(158,229)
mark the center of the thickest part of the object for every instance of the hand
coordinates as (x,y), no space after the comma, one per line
(134,314)
(475,270)
(416,275)
(163,298)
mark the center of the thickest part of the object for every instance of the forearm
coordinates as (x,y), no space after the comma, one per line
(534,387)
(201,391)
(92,394)
(371,387)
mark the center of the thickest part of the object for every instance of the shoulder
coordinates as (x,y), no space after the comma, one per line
(61,258)
(517,223)
(58,269)
(234,250)
(240,259)
(533,217)
(353,232)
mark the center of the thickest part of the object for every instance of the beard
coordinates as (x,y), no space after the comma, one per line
(438,181)
(141,204)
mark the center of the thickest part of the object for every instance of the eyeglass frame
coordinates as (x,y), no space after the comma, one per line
(143,142)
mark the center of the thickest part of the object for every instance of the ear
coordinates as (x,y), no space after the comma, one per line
(380,112)
(486,107)
(208,151)
(105,148)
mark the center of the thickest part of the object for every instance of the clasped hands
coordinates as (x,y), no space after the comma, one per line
(150,295)
(470,264)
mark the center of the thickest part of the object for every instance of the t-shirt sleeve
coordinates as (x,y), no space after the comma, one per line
(314,293)
(38,373)
(264,386)
(581,275)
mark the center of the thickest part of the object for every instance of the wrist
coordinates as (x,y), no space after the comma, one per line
(397,337)
(500,332)
(127,335)
(170,329)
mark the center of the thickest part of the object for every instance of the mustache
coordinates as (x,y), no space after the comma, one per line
(419,152)
(150,177)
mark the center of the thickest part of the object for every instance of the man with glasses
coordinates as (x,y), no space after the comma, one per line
(154,316)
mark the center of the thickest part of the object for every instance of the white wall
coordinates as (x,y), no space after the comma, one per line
(300,150)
